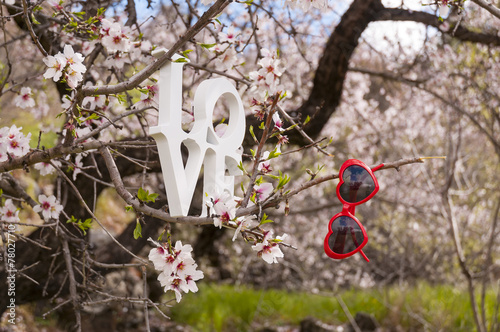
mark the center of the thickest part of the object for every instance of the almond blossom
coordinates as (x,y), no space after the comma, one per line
(278,123)
(69,63)
(177,267)
(25,99)
(149,98)
(56,66)
(222,206)
(229,36)
(267,77)
(265,166)
(13,142)
(49,207)
(269,248)
(47,168)
(263,191)
(9,212)
(113,37)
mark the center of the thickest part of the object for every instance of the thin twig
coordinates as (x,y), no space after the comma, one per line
(258,153)
(77,193)
(30,29)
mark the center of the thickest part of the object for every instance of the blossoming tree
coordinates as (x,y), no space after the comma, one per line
(85,73)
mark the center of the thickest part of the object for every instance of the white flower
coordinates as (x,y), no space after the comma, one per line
(67,100)
(24,99)
(94,102)
(56,66)
(278,124)
(269,251)
(73,78)
(69,63)
(227,59)
(229,37)
(9,212)
(443,10)
(177,268)
(223,206)
(267,77)
(117,60)
(113,37)
(47,168)
(74,60)
(148,98)
(262,191)
(49,207)
(17,144)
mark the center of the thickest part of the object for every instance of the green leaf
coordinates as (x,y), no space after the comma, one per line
(129,208)
(79,14)
(73,219)
(33,19)
(264,220)
(274,154)
(240,166)
(84,226)
(186,52)
(250,129)
(207,46)
(152,197)
(137,230)
(145,196)
(283,180)
(261,125)
(181,60)
(142,195)
(306,121)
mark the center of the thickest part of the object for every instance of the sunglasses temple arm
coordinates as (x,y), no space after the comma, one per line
(376,168)
(364,256)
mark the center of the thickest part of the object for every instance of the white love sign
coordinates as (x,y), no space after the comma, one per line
(219,155)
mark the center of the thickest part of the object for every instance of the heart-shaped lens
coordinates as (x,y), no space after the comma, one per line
(358,184)
(346,235)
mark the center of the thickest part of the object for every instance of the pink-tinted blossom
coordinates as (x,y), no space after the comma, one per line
(49,207)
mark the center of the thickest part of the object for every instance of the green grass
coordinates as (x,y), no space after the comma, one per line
(230,308)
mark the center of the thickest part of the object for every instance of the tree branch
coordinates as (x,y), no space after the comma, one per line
(460,32)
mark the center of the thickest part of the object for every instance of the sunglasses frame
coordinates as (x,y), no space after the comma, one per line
(348,209)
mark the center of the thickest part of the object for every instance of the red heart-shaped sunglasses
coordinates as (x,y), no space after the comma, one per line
(346,236)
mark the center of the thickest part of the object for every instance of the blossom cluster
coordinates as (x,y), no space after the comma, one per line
(114,37)
(177,268)
(9,212)
(68,65)
(267,78)
(269,248)
(13,142)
